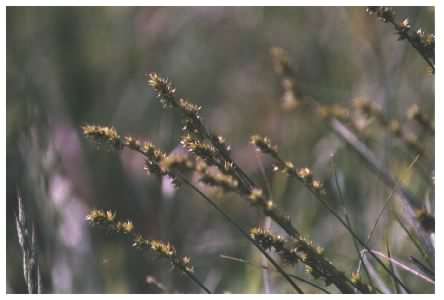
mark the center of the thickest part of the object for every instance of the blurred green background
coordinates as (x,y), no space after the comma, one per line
(67,67)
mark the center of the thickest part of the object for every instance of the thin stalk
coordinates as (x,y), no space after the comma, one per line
(347,219)
(197,281)
(414,241)
(349,229)
(244,261)
(28,244)
(423,267)
(403,266)
(387,201)
(242,232)
(355,236)
(381,284)
(396,285)
(237,226)
(411,203)
(414,45)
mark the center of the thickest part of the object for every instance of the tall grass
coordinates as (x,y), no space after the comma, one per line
(209,158)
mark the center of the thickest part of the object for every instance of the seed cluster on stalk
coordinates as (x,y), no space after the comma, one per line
(108,220)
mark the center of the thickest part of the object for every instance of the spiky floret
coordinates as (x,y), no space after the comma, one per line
(164,89)
(103,135)
(263,144)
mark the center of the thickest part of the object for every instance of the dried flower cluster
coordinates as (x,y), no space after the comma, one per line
(305,175)
(384,13)
(218,179)
(189,108)
(176,162)
(201,149)
(153,155)
(103,135)
(196,138)
(164,89)
(108,220)
(424,43)
(212,149)
(263,144)
(293,251)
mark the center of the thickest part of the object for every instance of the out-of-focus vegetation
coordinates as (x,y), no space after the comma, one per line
(67,67)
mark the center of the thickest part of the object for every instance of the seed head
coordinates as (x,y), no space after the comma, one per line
(203,150)
(164,89)
(176,162)
(131,142)
(317,185)
(384,13)
(404,25)
(103,135)
(189,108)
(305,174)
(256,196)
(186,263)
(140,242)
(218,179)
(263,144)
(125,227)
(165,249)
(96,216)
(152,167)
(269,205)
(264,237)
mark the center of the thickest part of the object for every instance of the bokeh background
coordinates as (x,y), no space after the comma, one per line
(67,67)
